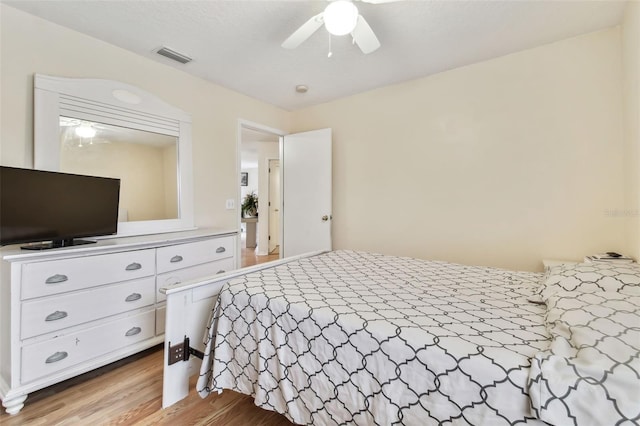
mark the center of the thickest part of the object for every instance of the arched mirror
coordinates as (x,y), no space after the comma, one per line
(111,129)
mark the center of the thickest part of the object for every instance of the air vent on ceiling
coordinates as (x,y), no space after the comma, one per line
(172,54)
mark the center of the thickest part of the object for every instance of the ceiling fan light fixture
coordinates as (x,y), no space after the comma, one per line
(340,17)
(85,131)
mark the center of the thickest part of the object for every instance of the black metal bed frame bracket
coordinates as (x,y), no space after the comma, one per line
(182,352)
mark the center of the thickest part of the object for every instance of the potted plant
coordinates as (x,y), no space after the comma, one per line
(249,206)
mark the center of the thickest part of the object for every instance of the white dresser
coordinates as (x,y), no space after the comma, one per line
(66,311)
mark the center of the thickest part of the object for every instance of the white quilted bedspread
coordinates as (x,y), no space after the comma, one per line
(357,338)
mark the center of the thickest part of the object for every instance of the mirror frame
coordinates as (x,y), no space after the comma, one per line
(119,104)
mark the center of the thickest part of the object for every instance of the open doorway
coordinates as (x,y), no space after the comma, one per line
(259,149)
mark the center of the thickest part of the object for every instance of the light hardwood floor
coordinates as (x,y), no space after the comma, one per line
(249,257)
(129,392)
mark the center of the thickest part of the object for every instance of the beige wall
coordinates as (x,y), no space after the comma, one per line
(170,160)
(31,45)
(503,162)
(140,168)
(631,93)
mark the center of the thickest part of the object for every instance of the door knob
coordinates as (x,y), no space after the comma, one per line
(325,218)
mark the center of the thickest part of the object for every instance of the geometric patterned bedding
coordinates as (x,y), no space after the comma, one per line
(590,374)
(357,338)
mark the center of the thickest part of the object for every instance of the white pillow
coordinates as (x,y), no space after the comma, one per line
(591,278)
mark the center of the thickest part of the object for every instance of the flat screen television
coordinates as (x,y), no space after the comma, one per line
(53,209)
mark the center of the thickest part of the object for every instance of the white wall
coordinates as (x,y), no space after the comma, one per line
(31,45)
(631,91)
(252,184)
(503,163)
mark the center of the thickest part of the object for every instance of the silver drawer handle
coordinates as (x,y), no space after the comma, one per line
(221,250)
(57,278)
(175,259)
(221,271)
(58,356)
(133,297)
(133,331)
(57,315)
(133,266)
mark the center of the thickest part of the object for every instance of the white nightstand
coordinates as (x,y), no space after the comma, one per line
(617,260)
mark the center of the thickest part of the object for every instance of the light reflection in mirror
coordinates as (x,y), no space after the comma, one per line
(145,162)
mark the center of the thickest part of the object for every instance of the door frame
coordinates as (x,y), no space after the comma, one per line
(251,125)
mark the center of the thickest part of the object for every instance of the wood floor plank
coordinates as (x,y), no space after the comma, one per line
(250,258)
(129,392)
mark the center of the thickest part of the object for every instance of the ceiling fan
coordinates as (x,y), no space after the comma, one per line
(75,131)
(340,17)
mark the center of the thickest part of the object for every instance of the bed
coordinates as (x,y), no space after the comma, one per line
(349,337)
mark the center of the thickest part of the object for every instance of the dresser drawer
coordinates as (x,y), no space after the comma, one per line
(40,316)
(42,359)
(184,255)
(195,272)
(52,277)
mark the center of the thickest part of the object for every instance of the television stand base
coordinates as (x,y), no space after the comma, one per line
(56,244)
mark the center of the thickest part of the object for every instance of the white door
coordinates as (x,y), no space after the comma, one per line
(274,206)
(306,192)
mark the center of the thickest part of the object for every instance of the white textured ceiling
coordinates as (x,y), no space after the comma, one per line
(236,44)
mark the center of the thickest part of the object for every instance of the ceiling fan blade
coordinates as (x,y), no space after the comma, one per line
(364,37)
(304,32)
